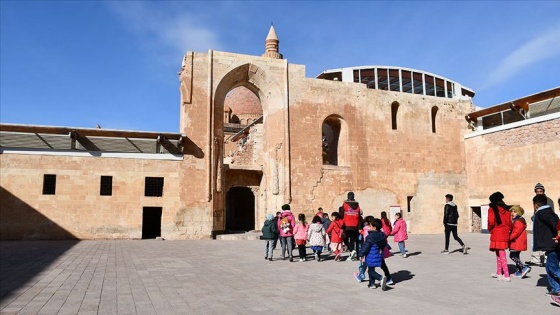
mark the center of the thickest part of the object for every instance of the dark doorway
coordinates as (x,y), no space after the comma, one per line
(151,222)
(476,220)
(240,209)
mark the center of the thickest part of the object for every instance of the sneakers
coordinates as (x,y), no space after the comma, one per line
(316,257)
(270,259)
(518,274)
(404,256)
(357,276)
(495,275)
(552,293)
(353,255)
(465,249)
(372,286)
(390,281)
(525,271)
(337,257)
(445,252)
(291,259)
(505,279)
(384,284)
(555,300)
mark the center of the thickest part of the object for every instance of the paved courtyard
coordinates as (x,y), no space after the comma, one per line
(232,277)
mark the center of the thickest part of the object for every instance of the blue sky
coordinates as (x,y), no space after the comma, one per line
(115,63)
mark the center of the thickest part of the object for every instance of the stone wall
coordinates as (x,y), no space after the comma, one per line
(512,161)
(77,211)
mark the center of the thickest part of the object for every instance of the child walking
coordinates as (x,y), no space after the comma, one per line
(326,223)
(300,235)
(518,240)
(499,225)
(399,233)
(360,275)
(316,236)
(269,232)
(370,253)
(336,231)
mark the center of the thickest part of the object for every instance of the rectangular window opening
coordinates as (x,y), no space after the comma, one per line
(49,184)
(153,187)
(408,199)
(106,186)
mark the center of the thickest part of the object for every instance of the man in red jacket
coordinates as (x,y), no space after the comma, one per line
(351,213)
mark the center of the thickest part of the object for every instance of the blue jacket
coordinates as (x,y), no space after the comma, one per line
(374,243)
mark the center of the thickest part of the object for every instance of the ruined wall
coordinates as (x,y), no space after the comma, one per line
(77,211)
(512,161)
(381,165)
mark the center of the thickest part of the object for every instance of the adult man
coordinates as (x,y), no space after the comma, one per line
(450,218)
(544,234)
(537,257)
(351,213)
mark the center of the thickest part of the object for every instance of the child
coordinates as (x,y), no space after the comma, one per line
(300,235)
(370,253)
(316,237)
(385,224)
(360,275)
(399,233)
(518,240)
(326,223)
(336,231)
(269,232)
(499,226)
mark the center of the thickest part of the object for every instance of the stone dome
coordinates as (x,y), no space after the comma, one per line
(243,102)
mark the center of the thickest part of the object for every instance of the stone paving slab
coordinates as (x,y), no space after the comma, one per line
(232,277)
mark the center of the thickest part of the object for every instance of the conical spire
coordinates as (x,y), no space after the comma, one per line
(272,45)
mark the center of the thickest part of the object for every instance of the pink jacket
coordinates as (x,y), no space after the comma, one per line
(300,231)
(290,216)
(399,231)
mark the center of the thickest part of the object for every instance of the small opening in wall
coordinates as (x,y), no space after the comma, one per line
(153,187)
(106,186)
(49,184)
(408,199)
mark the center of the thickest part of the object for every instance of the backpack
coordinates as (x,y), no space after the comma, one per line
(285,225)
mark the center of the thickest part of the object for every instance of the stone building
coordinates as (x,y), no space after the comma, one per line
(256,133)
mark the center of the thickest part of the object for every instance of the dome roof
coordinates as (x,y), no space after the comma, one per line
(242,101)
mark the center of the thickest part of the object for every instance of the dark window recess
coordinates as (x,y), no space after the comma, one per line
(106,186)
(154,187)
(49,184)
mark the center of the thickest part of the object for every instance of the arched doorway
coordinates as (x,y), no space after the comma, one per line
(240,209)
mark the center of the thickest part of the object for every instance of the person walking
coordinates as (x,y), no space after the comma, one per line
(300,235)
(370,254)
(518,240)
(545,223)
(400,234)
(538,258)
(269,231)
(336,231)
(350,212)
(450,219)
(499,225)
(286,225)
(316,237)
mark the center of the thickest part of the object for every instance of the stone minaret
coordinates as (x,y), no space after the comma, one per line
(271,45)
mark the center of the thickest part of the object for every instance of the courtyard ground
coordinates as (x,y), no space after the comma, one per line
(232,277)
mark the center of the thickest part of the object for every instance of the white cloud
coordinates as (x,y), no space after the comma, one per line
(172,30)
(541,48)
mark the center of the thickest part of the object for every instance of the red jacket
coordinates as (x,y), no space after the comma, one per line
(518,236)
(334,230)
(499,233)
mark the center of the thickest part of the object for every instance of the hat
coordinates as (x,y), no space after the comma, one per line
(496,197)
(269,216)
(539,186)
(286,207)
(351,195)
(517,210)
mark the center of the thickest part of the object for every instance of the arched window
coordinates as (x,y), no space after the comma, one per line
(434,115)
(334,141)
(394,110)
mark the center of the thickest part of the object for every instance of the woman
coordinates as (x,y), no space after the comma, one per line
(499,226)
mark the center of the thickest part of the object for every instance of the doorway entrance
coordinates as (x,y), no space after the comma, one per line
(151,222)
(240,209)
(476,219)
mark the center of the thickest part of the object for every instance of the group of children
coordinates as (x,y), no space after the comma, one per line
(323,234)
